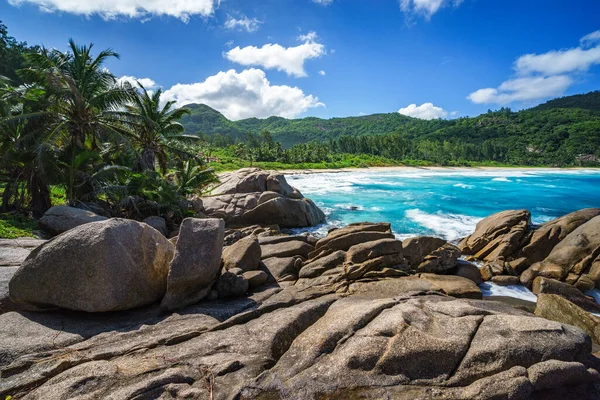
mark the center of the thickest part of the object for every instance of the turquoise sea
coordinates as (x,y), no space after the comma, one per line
(447,203)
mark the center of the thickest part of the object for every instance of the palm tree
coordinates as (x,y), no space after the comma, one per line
(85,98)
(155,128)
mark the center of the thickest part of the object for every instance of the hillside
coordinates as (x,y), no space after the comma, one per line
(288,132)
(546,125)
(588,101)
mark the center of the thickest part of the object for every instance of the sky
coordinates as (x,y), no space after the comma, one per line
(333,58)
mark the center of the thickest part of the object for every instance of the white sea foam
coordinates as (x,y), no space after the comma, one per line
(516,291)
(502,179)
(464,186)
(448,226)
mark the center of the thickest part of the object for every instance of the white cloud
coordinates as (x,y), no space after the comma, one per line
(558,62)
(590,39)
(110,9)
(244,95)
(323,2)
(426,8)
(146,82)
(541,76)
(523,89)
(243,23)
(274,56)
(424,111)
(322,73)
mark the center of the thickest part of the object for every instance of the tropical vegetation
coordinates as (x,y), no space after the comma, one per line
(69,126)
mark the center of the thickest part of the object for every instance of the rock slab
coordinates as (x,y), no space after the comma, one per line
(196,263)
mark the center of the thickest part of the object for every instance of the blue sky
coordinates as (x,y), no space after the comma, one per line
(334,58)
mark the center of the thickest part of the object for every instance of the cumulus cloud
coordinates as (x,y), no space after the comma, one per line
(322,73)
(146,82)
(590,39)
(541,76)
(424,111)
(426,8)
(558,62)
(323,2)
(242,23)
(244,95)
(110,9)
(523,89)
(274,56)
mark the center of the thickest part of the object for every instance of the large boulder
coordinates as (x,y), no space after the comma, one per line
(430,254)
(557,308)
(196,263)
(248,180)
(158,223)
(252,196)
(284,269)
(286,249)
(547,236)
(60,219)
(543,285)
(499,235)
(100,266)
(244,254)
(575,258)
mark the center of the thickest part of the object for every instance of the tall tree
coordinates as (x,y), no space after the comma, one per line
(155,127)
(84,95)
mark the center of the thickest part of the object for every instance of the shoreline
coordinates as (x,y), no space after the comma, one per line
(411,168)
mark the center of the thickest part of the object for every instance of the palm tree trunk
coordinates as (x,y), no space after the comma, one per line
(40,194)
(146,160)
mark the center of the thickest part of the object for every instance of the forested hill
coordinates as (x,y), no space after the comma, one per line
(288,132)
(588,101)
(572,121)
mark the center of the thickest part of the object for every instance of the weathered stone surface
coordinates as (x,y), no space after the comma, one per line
(6,304)
(362,252)
(317,267)
(335,234)
(361,343)
(578,253)
(401,346)
(506,280)
(159,224)
(252,196)
(244,254)
(553,374)
(60,219)
(196,263)
(547,236)
(283,269)
(569,292)
(286,249)
(14,251)
(100,266)
(467,270)
(285,212)
(230,284)
(556,308)
(248,180)
(440,260)
(499,235)
(255,278)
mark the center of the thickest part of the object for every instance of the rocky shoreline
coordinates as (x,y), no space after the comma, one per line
(227,307)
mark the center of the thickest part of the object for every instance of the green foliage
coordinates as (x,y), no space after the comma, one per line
(72,133)
(15,225)
(542,136)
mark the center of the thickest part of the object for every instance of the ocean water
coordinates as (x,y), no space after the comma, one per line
(448,203)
